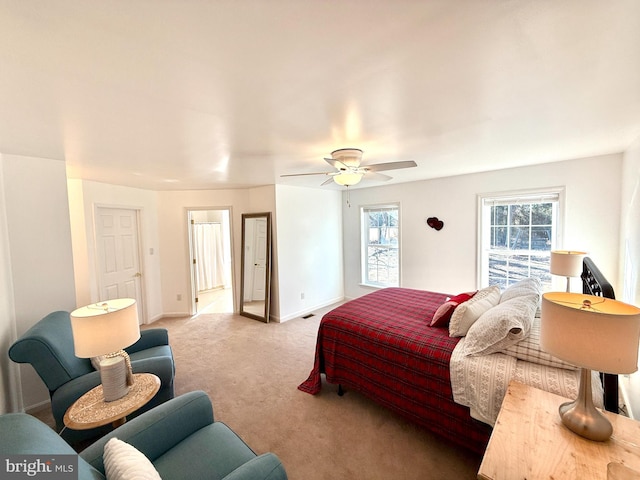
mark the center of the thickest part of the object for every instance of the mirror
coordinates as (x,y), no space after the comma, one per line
(256,266)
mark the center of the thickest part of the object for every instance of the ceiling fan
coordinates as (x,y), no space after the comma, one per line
(349,171)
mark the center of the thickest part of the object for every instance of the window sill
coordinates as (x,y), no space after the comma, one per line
(376,287)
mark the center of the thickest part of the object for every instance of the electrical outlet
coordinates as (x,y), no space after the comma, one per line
(302,296)
(179,297)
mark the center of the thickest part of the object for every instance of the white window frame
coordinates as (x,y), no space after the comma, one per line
(556,194)
(364,243)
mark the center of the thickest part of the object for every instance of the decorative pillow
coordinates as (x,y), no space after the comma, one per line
(468,312)
(530,351)
(503,325)
(443,314)
(124,462)
(526,286)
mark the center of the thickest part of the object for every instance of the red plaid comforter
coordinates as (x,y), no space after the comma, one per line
(381,345)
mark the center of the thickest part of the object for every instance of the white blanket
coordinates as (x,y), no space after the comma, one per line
(481,382)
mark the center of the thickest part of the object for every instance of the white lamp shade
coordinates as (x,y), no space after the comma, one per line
(603,337)
(347,179)
(105,327)
(566,263)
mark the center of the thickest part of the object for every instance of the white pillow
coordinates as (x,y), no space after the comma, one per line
(124,462)
(530,351)
(526,286)
(503,325)
(468,312)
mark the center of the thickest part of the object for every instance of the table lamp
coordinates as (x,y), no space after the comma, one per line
(594,333)
(566,263)
(104,329)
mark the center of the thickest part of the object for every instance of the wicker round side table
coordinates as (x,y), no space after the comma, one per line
(91,411)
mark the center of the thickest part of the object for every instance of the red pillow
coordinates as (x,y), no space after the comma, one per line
(443,313)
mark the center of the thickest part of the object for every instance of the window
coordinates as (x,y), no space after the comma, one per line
(517,235)
(380,245)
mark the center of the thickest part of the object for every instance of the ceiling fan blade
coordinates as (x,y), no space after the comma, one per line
(336,164)
(347,161)
(378,167)
(327,182)
(303,174)
(379,177)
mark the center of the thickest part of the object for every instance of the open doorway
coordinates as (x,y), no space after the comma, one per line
(211,261)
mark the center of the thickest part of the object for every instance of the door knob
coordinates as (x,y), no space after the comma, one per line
(137,274)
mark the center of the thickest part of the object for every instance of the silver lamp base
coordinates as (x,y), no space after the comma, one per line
(582,417)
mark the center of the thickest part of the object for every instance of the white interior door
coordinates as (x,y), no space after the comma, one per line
(118,252)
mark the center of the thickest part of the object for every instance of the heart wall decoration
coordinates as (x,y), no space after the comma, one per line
(434,222)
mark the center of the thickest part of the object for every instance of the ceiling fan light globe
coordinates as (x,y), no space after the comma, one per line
(348,179)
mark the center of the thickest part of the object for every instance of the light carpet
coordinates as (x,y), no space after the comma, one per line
(251,371)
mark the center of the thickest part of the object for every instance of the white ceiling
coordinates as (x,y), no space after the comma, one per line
(200,94)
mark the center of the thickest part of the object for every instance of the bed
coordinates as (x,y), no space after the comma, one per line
(383,346)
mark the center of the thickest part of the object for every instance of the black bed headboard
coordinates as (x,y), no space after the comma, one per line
(595,283)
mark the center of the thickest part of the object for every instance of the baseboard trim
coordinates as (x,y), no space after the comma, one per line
(306,311)
(38,407)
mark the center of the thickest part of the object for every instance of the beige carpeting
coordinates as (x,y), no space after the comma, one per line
(251,371)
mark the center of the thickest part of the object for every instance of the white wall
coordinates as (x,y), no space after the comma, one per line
(446,260)
(174,239)
(630,258)
(630,227)
(41,262)
(309,244)
(84,197)
(36,257)
(10,395)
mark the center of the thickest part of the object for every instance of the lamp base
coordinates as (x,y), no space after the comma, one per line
(113,375)
(582,417)
(127,362)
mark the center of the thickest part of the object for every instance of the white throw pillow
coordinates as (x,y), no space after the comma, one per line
(468,312)
(526,286)
(529,350)
(504,325)
(124,462)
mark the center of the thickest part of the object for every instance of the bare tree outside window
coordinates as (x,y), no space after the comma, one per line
(380,230)
(517,236)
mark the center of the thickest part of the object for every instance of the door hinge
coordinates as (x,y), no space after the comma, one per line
(196,299)
(194,261)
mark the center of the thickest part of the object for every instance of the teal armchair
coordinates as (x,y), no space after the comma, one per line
(48,347)
(180,437)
